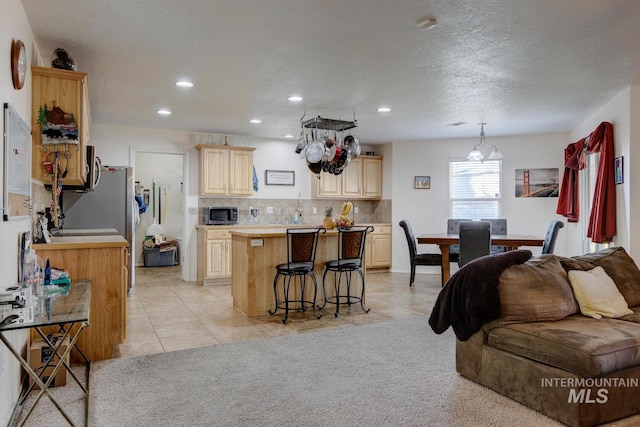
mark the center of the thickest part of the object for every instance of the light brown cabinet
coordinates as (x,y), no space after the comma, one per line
(214,256)
(225,170)
(103,261)
(362,179)
(378,247)
(61,91)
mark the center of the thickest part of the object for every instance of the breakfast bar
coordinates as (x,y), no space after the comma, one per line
(256,252)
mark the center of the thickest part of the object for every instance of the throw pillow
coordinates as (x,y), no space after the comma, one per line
(536,291)
(617,264)
(597,294)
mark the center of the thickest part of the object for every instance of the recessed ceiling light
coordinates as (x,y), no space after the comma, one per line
(164,112)
(383,109)
(255,121)
(295,98)
(288,136)
(184,83)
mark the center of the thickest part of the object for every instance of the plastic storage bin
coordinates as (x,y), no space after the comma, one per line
(155,257)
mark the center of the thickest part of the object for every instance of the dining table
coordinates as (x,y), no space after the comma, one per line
(444,241)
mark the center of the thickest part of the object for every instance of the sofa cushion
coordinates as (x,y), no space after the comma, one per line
(635,317)
(579,344)
(535,291)
(617,264)
(597,294)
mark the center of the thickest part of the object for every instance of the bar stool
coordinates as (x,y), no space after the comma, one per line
(301,257)
(350,254)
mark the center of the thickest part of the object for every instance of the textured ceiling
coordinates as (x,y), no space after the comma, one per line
(521,66)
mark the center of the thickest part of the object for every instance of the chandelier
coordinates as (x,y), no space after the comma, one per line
(492,150)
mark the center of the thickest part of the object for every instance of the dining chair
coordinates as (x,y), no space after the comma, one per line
(419,259)
(301,255)
(475,240)
(351,242)
(453,227)
(498,226)
(552,234)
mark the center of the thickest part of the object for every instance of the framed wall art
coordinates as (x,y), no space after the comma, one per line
(422,182)
(539,182)
(272,177)
(617,170)
(16,198)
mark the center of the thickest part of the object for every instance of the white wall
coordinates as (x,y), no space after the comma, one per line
(13,25)
(428,210)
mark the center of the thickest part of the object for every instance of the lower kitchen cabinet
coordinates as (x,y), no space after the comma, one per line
(214,256)
(378,247)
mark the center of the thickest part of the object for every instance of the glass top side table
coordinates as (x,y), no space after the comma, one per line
(65,310)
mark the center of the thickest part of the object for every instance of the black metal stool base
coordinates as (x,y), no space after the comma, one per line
(339,299)
(298,304)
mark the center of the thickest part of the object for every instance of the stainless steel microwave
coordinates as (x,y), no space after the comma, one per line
(219,215)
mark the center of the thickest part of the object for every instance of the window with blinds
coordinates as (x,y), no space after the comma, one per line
(475,189)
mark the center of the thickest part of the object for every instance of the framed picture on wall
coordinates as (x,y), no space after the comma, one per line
(279,177)
(617,170)
(422,182)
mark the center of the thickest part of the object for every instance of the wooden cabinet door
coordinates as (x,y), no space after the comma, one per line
(380,250)
(329,185)
(372,178)
(68,91)
(217,258)
(352,179)
(240,173)
(214,171)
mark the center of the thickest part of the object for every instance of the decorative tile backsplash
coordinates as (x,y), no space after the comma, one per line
(369,211)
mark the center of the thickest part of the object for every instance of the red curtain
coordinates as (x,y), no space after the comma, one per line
(602,222)
(568,199)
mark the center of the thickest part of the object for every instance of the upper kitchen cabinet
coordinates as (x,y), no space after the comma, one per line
(225,170)
(362,179)
(60,122)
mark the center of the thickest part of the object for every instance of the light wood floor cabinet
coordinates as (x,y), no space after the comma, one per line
(378,247)
(214,255)
(362,179)
(102,260)
(61,91)
(225,170)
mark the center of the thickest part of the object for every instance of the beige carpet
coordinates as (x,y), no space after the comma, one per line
(396,373)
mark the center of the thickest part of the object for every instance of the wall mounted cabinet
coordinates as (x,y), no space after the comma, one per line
(61,91)
(225,170)
(362,179)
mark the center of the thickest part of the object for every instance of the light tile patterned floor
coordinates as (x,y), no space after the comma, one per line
(165,313)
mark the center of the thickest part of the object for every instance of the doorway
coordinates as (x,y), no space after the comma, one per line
(159,179)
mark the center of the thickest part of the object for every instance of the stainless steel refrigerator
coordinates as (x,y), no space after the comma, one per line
(110,205)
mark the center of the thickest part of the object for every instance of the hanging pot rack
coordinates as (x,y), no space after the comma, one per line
(329,124)
(328,154)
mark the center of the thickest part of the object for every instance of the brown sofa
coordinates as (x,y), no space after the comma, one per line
(544,353)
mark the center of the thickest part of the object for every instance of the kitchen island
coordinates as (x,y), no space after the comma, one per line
(102,260)
(256,252)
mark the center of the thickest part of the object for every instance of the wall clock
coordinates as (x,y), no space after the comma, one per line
(18,63)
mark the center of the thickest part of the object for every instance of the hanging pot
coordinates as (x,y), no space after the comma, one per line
(314,152)
(352,144)
(302,142)
(315,167)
